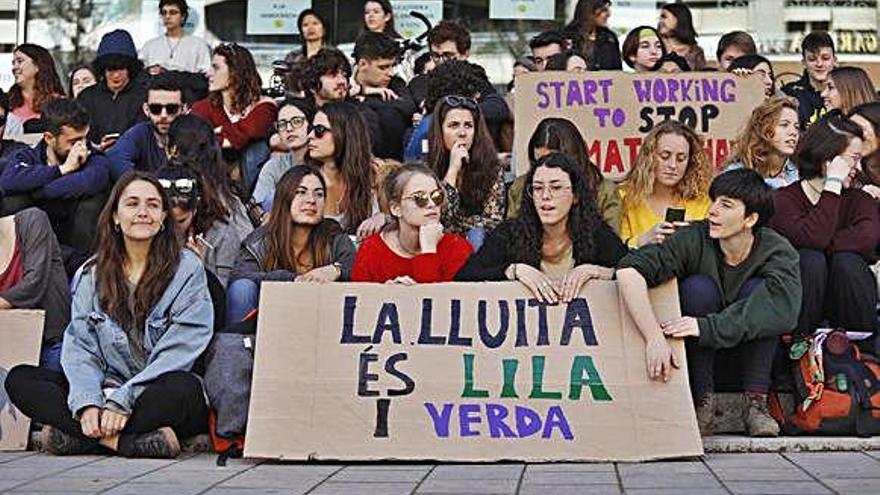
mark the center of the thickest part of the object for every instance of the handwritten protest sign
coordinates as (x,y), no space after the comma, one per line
(614,110)
(21,332)
(465,372)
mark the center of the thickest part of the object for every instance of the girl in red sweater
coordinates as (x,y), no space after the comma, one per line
(412,247)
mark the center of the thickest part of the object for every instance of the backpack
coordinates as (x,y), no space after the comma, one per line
(836,390)
(229,367)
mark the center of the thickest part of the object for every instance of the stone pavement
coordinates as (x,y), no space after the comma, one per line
(799,473)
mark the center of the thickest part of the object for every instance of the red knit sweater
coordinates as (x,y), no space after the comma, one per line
(846,222)
(256,125)
(376,262)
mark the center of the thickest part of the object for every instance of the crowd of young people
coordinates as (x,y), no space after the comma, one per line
(166,187)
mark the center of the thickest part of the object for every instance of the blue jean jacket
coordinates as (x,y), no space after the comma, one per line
(96,354)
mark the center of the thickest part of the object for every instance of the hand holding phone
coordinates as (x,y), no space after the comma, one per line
(675,215)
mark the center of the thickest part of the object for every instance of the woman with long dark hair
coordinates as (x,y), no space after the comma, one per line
(36,81)
(867,116)
(299,243)
(240,116)
(339,145)
(561,135)
(313,36)
(462,154)
(558,242)
(141,316)
(80,77)
(591,37)
(412,248)
(676,27)
(379,17)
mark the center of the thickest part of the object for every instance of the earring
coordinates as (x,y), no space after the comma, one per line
(116,228)
(161,227)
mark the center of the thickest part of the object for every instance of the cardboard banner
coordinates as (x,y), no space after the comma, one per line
(460,372)
(614,110)
(21,333)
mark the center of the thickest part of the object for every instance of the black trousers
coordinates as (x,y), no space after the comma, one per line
(839,288)
(701,296)
(175,399)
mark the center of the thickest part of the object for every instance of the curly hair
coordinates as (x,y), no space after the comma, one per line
(47,85)
(639,184)
(328,60)
(583,218)
(754,148)
(481,173)
(244,80)
(455,77)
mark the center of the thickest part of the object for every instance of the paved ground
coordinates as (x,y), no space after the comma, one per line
(773,473)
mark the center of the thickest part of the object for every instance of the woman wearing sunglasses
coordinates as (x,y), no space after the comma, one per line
(461,151)
(412,247)
(297,244)
(557,244)
(141,316)
(339,145)
(292,137)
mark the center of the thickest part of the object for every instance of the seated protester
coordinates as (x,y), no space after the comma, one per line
(672,63)
(591,36)
(141,317)
(676,27)
(297,244)
(818,58)
(192,141)
(847,88)
(756,64)
(340,147)
(292,126)
(8,147)
(145,145)
(418,85)
(381,92)
(241,118)
(79,78)
(835,228)
(462,153)
(412,248)
(739,290)
(557,244)
(568,61)
(116,103)
(32,276)
(671,171)
(545,45)
(175,50)
(768,141)
(326,76)
(643,50)
(36,83)
(733,45)
(62,174)
(200,218)
(867,116)
(561,135)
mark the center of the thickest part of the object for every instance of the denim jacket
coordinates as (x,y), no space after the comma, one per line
(96,355)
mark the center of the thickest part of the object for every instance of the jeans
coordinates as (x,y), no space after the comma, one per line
(242,296)
(700,296)
(476,236)
(50,357)
(252,159)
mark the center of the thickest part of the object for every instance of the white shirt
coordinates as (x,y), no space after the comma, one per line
(188,54)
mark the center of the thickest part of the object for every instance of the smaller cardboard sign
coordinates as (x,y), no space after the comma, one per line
(407,25)
(534,10)
(21,332)
(274,16)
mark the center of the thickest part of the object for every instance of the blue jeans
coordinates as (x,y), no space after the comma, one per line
(50,357)
(242,296)
(252,159)
(476,236)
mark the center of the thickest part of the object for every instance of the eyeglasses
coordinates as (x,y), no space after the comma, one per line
(536,191)
(319,130)
(170,108)
(462,102)
(293,123)
(442,56)
(183,186)
(421,198)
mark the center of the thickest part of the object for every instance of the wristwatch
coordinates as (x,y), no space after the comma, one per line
(338,267)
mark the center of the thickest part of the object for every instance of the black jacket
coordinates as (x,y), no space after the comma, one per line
(393,117)
(114,113)
(810,104)
(605,52)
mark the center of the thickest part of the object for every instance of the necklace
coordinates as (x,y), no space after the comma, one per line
(814,188)
(171,48)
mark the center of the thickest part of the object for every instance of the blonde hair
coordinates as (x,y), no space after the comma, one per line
(754,145)
(639,184)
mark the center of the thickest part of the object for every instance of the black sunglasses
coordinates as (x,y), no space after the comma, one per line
(170,108)
(462,102)
(319,130)
(182,186)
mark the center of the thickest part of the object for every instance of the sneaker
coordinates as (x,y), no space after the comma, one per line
(756,416)
(57,442)
(157,444)
(706,414)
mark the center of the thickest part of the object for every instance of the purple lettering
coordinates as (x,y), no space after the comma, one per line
(673,87)
(686,90)
(590,88)
(528,422)
(606,85)
(601,114)
(710,89)
(541,89)
(495,414)
(557,85)
(727,91)
(468,414)
(556,419)
(643,90)
(659,92)
(574,94)
(441,420)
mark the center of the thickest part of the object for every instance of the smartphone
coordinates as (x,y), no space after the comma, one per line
(675,215)
(112,135)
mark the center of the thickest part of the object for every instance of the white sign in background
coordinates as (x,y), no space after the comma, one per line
(407,25)
(274,16)
(522,9)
